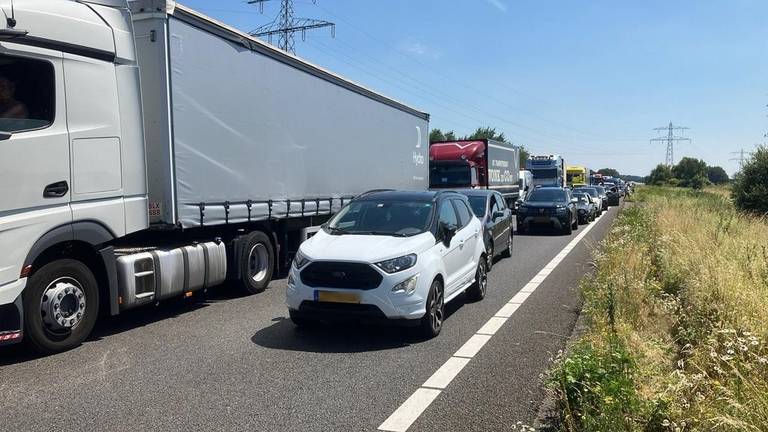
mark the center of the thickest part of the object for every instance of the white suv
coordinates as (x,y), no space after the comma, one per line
(394,256)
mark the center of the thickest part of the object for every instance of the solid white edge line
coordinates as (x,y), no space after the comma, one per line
(447,372)
(410,410)
(419,401)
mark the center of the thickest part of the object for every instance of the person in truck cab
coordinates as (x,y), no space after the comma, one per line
(9,106)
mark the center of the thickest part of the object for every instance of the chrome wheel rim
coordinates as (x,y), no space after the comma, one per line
(436,311)
(258,261)
(482,279)
(63,305)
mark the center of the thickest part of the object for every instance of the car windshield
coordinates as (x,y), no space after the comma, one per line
(591,191)
(450,175)
(599,189)
(542,195)
(382,217)
(582,197)
(478,205)
(544,173)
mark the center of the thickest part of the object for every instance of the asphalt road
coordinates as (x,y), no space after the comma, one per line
(231,362)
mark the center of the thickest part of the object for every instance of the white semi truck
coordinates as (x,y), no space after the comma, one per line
(148,151)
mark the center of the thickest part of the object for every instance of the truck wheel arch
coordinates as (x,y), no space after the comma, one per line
(88,232)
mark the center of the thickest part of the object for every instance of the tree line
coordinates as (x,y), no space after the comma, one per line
(749,188)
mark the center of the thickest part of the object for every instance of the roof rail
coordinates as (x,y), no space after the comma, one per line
(372,191)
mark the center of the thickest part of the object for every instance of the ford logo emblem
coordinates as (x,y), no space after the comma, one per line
(338,274)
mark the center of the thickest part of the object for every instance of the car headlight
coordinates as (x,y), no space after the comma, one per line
(291,280)
(395,265)
(523,208)
(300,260)
(407,286)
(561,209)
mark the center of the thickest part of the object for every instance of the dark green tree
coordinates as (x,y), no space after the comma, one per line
(608,172)
(524,155)
(486,133)
(661,175)
(691,172)
(438,135)
(750,188)
(717,175)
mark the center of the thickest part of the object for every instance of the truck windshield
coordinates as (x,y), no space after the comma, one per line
(548,195)
(450,176)
(544,173)
(385,217)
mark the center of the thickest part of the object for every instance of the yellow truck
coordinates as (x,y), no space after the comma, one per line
(576,175)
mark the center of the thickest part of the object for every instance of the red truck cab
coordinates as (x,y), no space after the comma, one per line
(458,164)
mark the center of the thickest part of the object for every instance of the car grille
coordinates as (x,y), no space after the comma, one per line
(329,274)
(542,211)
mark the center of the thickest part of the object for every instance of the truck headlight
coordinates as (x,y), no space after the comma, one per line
(300,260)
(395,265)
(407,286)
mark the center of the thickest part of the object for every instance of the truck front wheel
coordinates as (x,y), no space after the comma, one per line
(61,304)
(257,261)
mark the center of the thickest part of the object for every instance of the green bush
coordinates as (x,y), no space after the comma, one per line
(750,190)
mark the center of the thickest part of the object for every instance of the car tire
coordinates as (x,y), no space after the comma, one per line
(489,254)
(567,229)
(507,252)
(432,321)
(257,262)
(64,284)
(575,225)
(477,290)
(299,320)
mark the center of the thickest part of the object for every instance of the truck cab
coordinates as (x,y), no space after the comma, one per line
(72,174)
(457,164)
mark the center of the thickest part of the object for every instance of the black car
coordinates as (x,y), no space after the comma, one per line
(595,194)
(614,195)
(489,206)
(551,206)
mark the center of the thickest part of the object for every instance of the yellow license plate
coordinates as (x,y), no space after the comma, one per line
(336,297)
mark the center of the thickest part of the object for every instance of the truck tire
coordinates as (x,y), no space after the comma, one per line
(256,261)
(61,304)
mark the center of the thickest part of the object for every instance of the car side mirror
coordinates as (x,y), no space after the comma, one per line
(448,232)
(498,214)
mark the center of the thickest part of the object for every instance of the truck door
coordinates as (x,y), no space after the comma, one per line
(95,150)
(34,152)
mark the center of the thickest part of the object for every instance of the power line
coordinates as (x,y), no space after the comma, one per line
(285,25)
(670,139)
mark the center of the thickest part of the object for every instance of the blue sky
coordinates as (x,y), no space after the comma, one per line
(586,79)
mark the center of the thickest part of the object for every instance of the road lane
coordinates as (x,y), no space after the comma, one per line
(237,363)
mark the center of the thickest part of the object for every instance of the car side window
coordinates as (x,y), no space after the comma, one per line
(465,215)
(496,205)
(447,215)
(500,201)
(26,94)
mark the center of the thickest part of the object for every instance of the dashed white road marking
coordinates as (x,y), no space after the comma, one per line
(414,406)
(447,372)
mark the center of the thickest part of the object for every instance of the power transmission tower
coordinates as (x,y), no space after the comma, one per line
(742,157)
(670,139)
(285,25)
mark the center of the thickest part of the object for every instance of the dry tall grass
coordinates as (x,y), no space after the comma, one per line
(680,302)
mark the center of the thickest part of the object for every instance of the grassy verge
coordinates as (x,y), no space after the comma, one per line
(677,316)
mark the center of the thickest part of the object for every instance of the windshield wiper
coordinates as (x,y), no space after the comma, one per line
(384,233)
(336,230)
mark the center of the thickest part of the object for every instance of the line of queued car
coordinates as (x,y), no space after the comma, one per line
(565,208)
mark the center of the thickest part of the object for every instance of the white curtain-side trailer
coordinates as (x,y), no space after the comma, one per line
(179,152)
